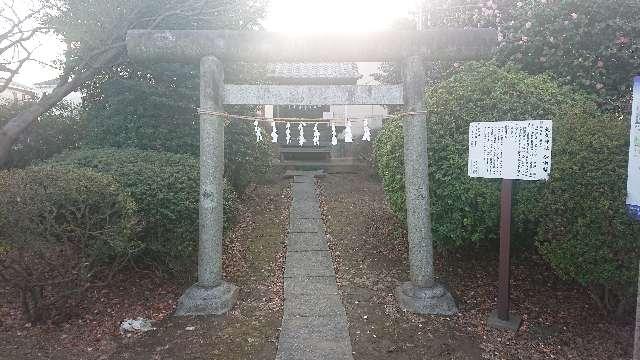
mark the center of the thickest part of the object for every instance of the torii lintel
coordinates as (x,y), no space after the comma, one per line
(260,47)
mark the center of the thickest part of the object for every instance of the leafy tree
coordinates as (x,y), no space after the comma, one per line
(131,108)
(589,44)
(154,106)
(136,108)
(95,32)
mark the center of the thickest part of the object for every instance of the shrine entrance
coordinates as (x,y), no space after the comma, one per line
(211,294)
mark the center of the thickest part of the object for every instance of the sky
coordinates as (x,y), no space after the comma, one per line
(298,16)
(335,15)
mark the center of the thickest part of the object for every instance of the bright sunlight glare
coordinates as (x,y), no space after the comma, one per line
(305,16)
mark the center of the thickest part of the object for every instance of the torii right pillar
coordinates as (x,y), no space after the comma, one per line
(421,294)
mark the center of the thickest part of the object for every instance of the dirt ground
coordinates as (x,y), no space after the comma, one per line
(370,251)
(253,260)
(370,254)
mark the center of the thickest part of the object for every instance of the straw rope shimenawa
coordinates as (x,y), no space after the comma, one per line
(302,120)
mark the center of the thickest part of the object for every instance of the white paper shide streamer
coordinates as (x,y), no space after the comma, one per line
(367,132)
(334,137)
(316,135)
(258,131)
(288,132)
(274,132)
(301,139)
(348,135)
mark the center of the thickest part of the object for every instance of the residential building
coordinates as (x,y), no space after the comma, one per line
(17,92)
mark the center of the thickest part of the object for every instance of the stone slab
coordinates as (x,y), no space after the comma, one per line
(314,173)
(308,263)
(303,185)
(435,300)
(512,324)
(305,210)
(199,300)
(306,226)
(303,191)
(314,338)
(314,305)
(313,94)
(305,197)
(303,179)
(306,242)
(310,285)
(327,327)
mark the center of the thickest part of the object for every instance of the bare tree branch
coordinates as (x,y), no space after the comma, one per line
(83,64)
(16,32)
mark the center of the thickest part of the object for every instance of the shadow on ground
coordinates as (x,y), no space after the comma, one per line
(369,249)
(253,261)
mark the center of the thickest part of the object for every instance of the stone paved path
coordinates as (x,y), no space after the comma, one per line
(314,323)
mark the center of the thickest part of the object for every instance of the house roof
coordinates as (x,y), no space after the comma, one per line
(19,86)
(314,72)
(51,82)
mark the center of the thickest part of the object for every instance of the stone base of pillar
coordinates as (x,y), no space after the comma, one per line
(435,300)
(207,301)
(512,324)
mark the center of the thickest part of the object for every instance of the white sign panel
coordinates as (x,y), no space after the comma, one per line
(633,182)
(510,149)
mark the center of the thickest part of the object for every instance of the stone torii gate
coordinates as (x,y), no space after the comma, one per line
(212,295)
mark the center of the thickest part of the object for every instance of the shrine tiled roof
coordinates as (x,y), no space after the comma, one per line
(313,71)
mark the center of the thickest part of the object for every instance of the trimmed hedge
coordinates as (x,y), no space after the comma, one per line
(584,230)
(578,216)
(245,160)
(166,189)
(61,229)
(156,111)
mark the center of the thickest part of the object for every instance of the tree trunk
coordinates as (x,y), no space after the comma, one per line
(11,131)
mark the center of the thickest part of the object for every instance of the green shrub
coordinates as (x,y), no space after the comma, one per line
(245,160)
(63,231)
(166,190)
(466,210)
(155,108)
(578,216)
(584,231)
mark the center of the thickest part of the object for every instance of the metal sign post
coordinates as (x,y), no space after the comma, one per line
(505,244)
(509,150)
(633,189)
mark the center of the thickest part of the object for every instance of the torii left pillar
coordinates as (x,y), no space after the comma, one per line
(422,294)
(211,295)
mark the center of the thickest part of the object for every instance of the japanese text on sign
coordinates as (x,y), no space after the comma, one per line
(510,149)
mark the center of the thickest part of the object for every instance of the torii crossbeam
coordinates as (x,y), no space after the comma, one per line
(212,295)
